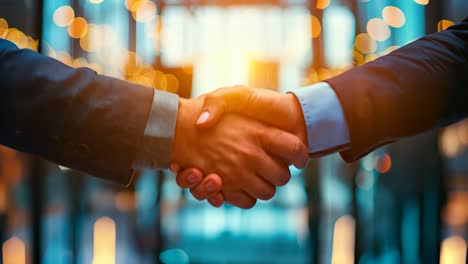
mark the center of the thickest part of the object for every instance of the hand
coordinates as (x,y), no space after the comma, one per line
(282,111)
(251,158)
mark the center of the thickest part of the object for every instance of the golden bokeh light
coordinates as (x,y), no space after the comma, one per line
(378,29)
(80,63)
(14,251)
(322,4)
(316,27)
(63,16)
(453,251)
(3,27)
(96,2)
(358,58)
(444,24)
(78,28)
(393,16)
(144,11)
(343,240)
(172,83)
(365,44)
(370,57)
(91,42)
(104,241)
(422,2)
(456,211)
(450,143)
(18,37)
(132,5)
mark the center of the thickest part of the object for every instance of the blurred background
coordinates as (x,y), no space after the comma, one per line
(403,203)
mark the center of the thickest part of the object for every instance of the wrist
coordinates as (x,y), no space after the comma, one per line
(185,125)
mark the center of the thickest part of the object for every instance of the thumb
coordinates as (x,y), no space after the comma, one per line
(223,100)
(212,110)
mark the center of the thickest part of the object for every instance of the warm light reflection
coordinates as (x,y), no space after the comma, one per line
(96,1)
(322,4)
(378,29)
(343,240)
(422,2)
(444,24)
(132,5)
(63,16)
(453,251)
(104,241)
(316,27)
(78,28)
(14,251)
(365,44)
(393,16)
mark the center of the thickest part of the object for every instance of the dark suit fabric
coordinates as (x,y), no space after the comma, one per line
(420,86)
(70,116)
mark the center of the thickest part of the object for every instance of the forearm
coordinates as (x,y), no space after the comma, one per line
(71,116)
(419,86)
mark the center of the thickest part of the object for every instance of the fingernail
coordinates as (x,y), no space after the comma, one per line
(192,178)
(203,117)
(210,186)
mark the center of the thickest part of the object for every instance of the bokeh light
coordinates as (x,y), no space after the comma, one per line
(383,163)
(365,44)
(14,251)
(96,1)
(18,37)
(316,27)
(322,4)
(104,241)
(393,16)
(144,11)
(3,27)
(444,24)
(78,28)
(343,240)
(378,29)
(422,2)
(453,251)
(63,16)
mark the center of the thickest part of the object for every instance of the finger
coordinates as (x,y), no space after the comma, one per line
(240,199)
(258,188)
(285,146)
(189,178)
(211,185)
(275,172)
(217,200)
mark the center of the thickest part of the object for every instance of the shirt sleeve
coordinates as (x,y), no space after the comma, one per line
(156,147)
(327,131)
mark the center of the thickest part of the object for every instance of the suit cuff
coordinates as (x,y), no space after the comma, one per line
(155,150)
(327,131)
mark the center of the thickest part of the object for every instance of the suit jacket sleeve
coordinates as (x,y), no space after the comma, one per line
(70,116)
(417,87)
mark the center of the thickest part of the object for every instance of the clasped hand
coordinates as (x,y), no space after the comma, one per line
(235,144)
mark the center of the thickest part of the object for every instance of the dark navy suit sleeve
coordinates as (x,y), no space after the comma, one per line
(70,116)
(413,89)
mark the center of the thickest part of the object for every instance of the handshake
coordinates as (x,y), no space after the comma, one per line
(235,144)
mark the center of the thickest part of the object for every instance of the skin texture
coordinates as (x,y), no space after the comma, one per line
(246,157)
(282,111)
